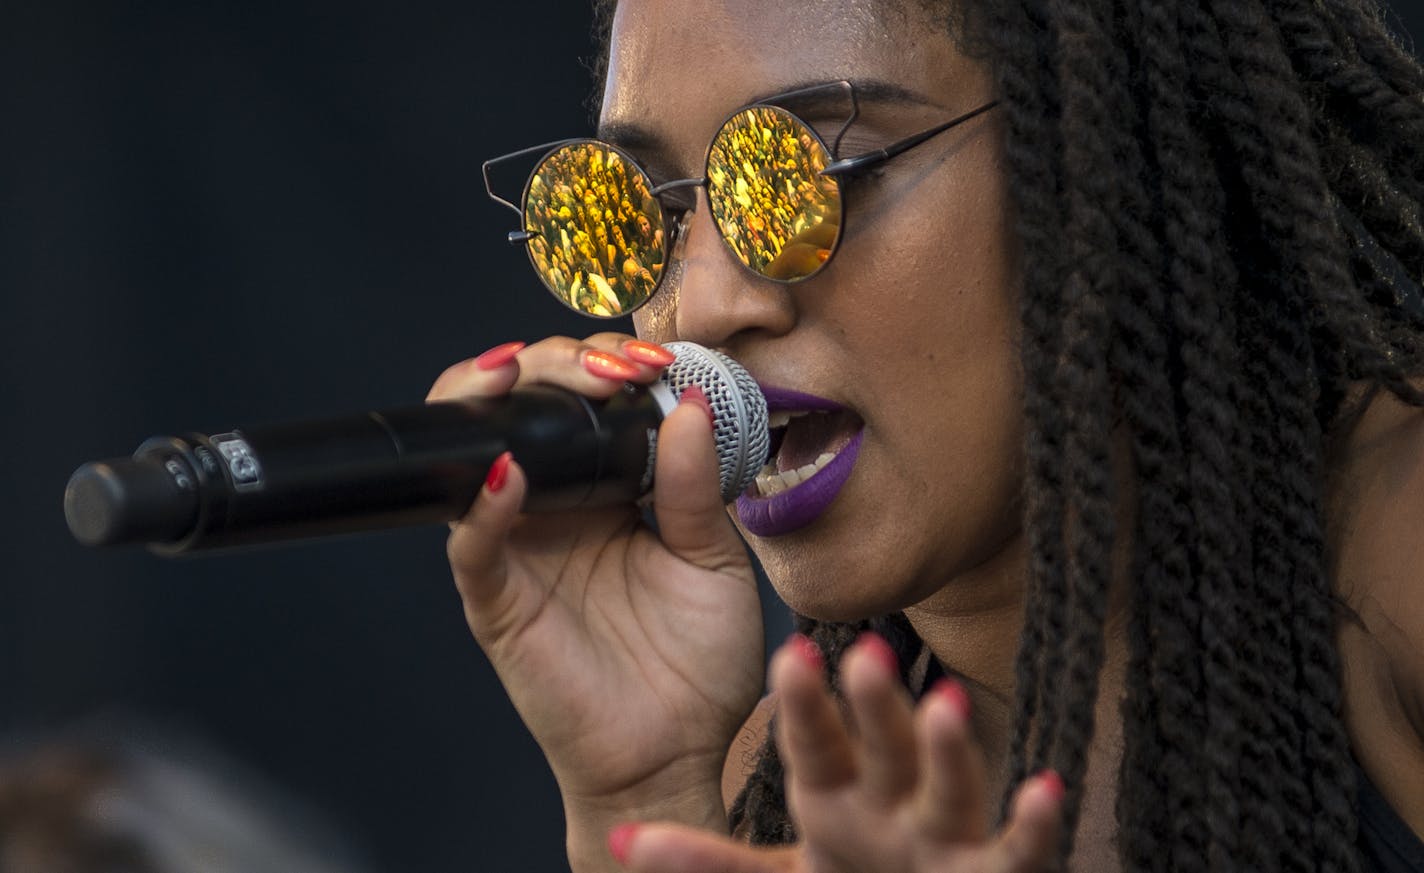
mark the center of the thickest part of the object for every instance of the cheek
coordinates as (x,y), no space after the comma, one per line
(656,321)
(951,434)
(949,416)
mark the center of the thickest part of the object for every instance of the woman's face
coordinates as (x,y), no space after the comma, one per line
(911,327)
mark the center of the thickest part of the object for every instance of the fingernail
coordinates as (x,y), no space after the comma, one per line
(651,354)
(498,472)
(498,356)
(808,651)
(620,839)
(1051,781)
(876,645)
(693,394)
(607,365)
(953,692)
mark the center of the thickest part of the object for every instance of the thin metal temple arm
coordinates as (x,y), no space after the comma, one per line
(485,167)
(860,162)
(844,84)
(811,89)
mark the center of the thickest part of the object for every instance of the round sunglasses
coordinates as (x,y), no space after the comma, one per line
(600,233)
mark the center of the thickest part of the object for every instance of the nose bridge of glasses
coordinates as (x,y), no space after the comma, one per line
(679,226)
(676,184)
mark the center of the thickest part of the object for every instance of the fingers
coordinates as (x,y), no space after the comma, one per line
(924,758)
(884,721)
(1028,844)
(687,492)
(951,800)
(816,751)
(477,557)
(660,848)
(486,375)
(1030,840)
(595,367)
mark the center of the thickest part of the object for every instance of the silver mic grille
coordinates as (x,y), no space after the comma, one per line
(738,409)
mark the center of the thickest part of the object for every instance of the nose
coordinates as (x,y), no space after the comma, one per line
(716,301)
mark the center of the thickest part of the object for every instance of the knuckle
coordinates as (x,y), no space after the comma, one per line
(458,552)
(1016,855)
(556,346)
(608,339)
(551,358)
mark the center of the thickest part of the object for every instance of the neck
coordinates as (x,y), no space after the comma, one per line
(971,626)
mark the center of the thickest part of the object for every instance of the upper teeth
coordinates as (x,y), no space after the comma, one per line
(782,417)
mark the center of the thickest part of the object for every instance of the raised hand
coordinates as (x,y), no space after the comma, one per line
(899,790)
(632,655)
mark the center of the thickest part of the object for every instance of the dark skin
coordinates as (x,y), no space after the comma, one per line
(913,327)
(1377,561)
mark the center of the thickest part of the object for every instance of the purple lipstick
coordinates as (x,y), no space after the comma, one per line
(801,502)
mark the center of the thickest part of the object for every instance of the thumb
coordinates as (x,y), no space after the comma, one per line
(687,492)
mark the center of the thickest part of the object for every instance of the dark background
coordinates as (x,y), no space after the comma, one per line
(226,213)
(216,214)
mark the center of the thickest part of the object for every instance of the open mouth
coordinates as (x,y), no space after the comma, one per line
(803,443)
(814,446)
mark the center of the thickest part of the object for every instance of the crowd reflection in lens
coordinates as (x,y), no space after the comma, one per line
(776,211)
(599,241)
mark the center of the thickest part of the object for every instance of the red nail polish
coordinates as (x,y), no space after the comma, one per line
(1053,782)
(498,356)
(956,695)
(651,354)
(607,365)
(693,394)
(808,650)
(620,839)
(498,472)
(876,645)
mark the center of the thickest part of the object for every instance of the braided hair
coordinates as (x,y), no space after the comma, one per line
(1218,214)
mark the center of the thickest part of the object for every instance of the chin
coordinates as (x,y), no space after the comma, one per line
(817,583)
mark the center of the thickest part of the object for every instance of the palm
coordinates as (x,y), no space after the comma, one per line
(621,656)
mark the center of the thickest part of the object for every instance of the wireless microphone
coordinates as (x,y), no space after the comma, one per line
(412,465)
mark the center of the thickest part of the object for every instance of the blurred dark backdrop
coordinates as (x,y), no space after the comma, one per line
(218,213)
(214,214)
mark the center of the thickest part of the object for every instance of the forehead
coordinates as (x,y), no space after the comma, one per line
(680,67)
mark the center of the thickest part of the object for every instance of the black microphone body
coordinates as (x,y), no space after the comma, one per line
(389,468)
(412,465)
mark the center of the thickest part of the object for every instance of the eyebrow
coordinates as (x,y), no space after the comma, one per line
(651,151)
(633,137)
(644,142)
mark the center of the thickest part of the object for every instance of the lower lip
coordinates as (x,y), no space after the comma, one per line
(797,507)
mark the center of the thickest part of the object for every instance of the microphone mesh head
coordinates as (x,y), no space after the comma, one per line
(738,411)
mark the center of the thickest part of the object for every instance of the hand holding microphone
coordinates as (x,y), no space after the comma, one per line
(632,654)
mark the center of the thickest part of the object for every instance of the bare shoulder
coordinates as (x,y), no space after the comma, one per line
(742,756)
(1377,545)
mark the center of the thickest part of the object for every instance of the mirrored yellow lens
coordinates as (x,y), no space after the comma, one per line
(775,210)
(599,242)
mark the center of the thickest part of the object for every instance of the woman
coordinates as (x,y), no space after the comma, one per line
(1120,373)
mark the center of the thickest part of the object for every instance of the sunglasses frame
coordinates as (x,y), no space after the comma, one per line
(839,168)
(670,227)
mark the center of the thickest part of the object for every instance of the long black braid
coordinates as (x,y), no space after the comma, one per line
(1220,225)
